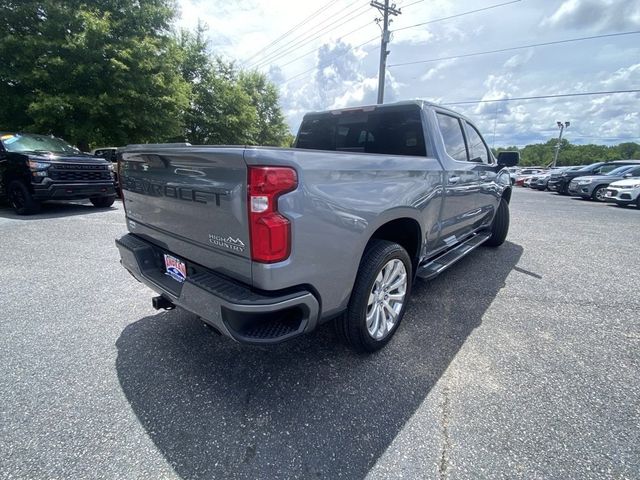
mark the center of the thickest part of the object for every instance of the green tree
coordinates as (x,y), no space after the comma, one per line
(541,154)
(271,127)
(220,111)
(93,72)
(228,106)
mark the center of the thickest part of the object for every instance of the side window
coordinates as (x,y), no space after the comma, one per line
(451,131)
(606,169)
(477,147)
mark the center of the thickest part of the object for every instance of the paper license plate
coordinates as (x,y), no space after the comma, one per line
(175,268)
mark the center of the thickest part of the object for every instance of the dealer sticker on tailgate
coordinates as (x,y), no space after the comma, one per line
(175,268)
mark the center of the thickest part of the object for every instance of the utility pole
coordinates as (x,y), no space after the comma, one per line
(561,126)
(386,10)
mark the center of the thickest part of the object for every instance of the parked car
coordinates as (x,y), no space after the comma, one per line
(595,187)
(559,182)
(264,244)
(624,192)
(525,174)
(539,181)
(513,174)
(110,154)
(35,168)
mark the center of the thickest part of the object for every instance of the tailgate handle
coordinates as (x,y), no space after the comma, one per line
(187,172)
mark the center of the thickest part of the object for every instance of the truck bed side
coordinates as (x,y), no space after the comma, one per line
(342,199)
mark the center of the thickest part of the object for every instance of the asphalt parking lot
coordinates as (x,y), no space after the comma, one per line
(520,362)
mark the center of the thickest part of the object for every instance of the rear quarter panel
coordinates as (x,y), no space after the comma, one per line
(341,199)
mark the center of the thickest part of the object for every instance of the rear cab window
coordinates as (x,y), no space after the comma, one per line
(387,130)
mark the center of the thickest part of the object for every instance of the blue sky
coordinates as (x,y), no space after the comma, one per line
(320,65)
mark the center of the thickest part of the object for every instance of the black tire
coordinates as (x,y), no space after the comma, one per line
(103,202)
(596,192)
(564,190)
(21,199)
(351,327)
(638,202)
(499,226)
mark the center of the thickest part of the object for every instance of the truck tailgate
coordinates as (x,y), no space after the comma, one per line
(192,202)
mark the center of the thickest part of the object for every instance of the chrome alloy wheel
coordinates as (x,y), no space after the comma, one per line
(386,299)
(601,194)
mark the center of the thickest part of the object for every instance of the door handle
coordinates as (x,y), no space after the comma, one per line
(483,176)
(454,179)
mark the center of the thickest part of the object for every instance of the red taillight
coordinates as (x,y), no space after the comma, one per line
(269,230)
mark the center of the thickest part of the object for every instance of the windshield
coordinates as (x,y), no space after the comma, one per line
(620,170)
(590,168)
(27,142)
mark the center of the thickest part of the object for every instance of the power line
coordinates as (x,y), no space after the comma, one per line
(315,49)
(306,37)
(456,15)
(303,22)
(296,47)
(509,49)
(537,97)
(411,26)
(600,138)
(343,36)
(334,57)
(409,4)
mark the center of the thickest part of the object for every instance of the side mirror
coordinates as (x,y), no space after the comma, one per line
(508,159)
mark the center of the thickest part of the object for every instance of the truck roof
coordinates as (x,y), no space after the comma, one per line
(418,102)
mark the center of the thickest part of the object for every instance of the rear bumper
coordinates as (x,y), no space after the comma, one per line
(69,191)
(234,309)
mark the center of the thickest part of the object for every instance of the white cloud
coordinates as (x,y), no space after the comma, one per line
(599,14)
(434,71)
(337,74)
(519,60)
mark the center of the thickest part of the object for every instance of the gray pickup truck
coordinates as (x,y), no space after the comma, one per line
(265,244)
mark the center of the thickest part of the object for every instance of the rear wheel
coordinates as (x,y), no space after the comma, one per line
(499,226)
(379,297)
(103,202)
(599,193)
(21,199)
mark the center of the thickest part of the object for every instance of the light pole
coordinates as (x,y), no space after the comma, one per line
(561,126)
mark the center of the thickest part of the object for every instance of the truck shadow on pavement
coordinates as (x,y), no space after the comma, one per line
(306,408)
(53,210)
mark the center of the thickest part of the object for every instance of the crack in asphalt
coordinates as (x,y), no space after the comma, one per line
(444,430)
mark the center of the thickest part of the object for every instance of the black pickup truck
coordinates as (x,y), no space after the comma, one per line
(35,168)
